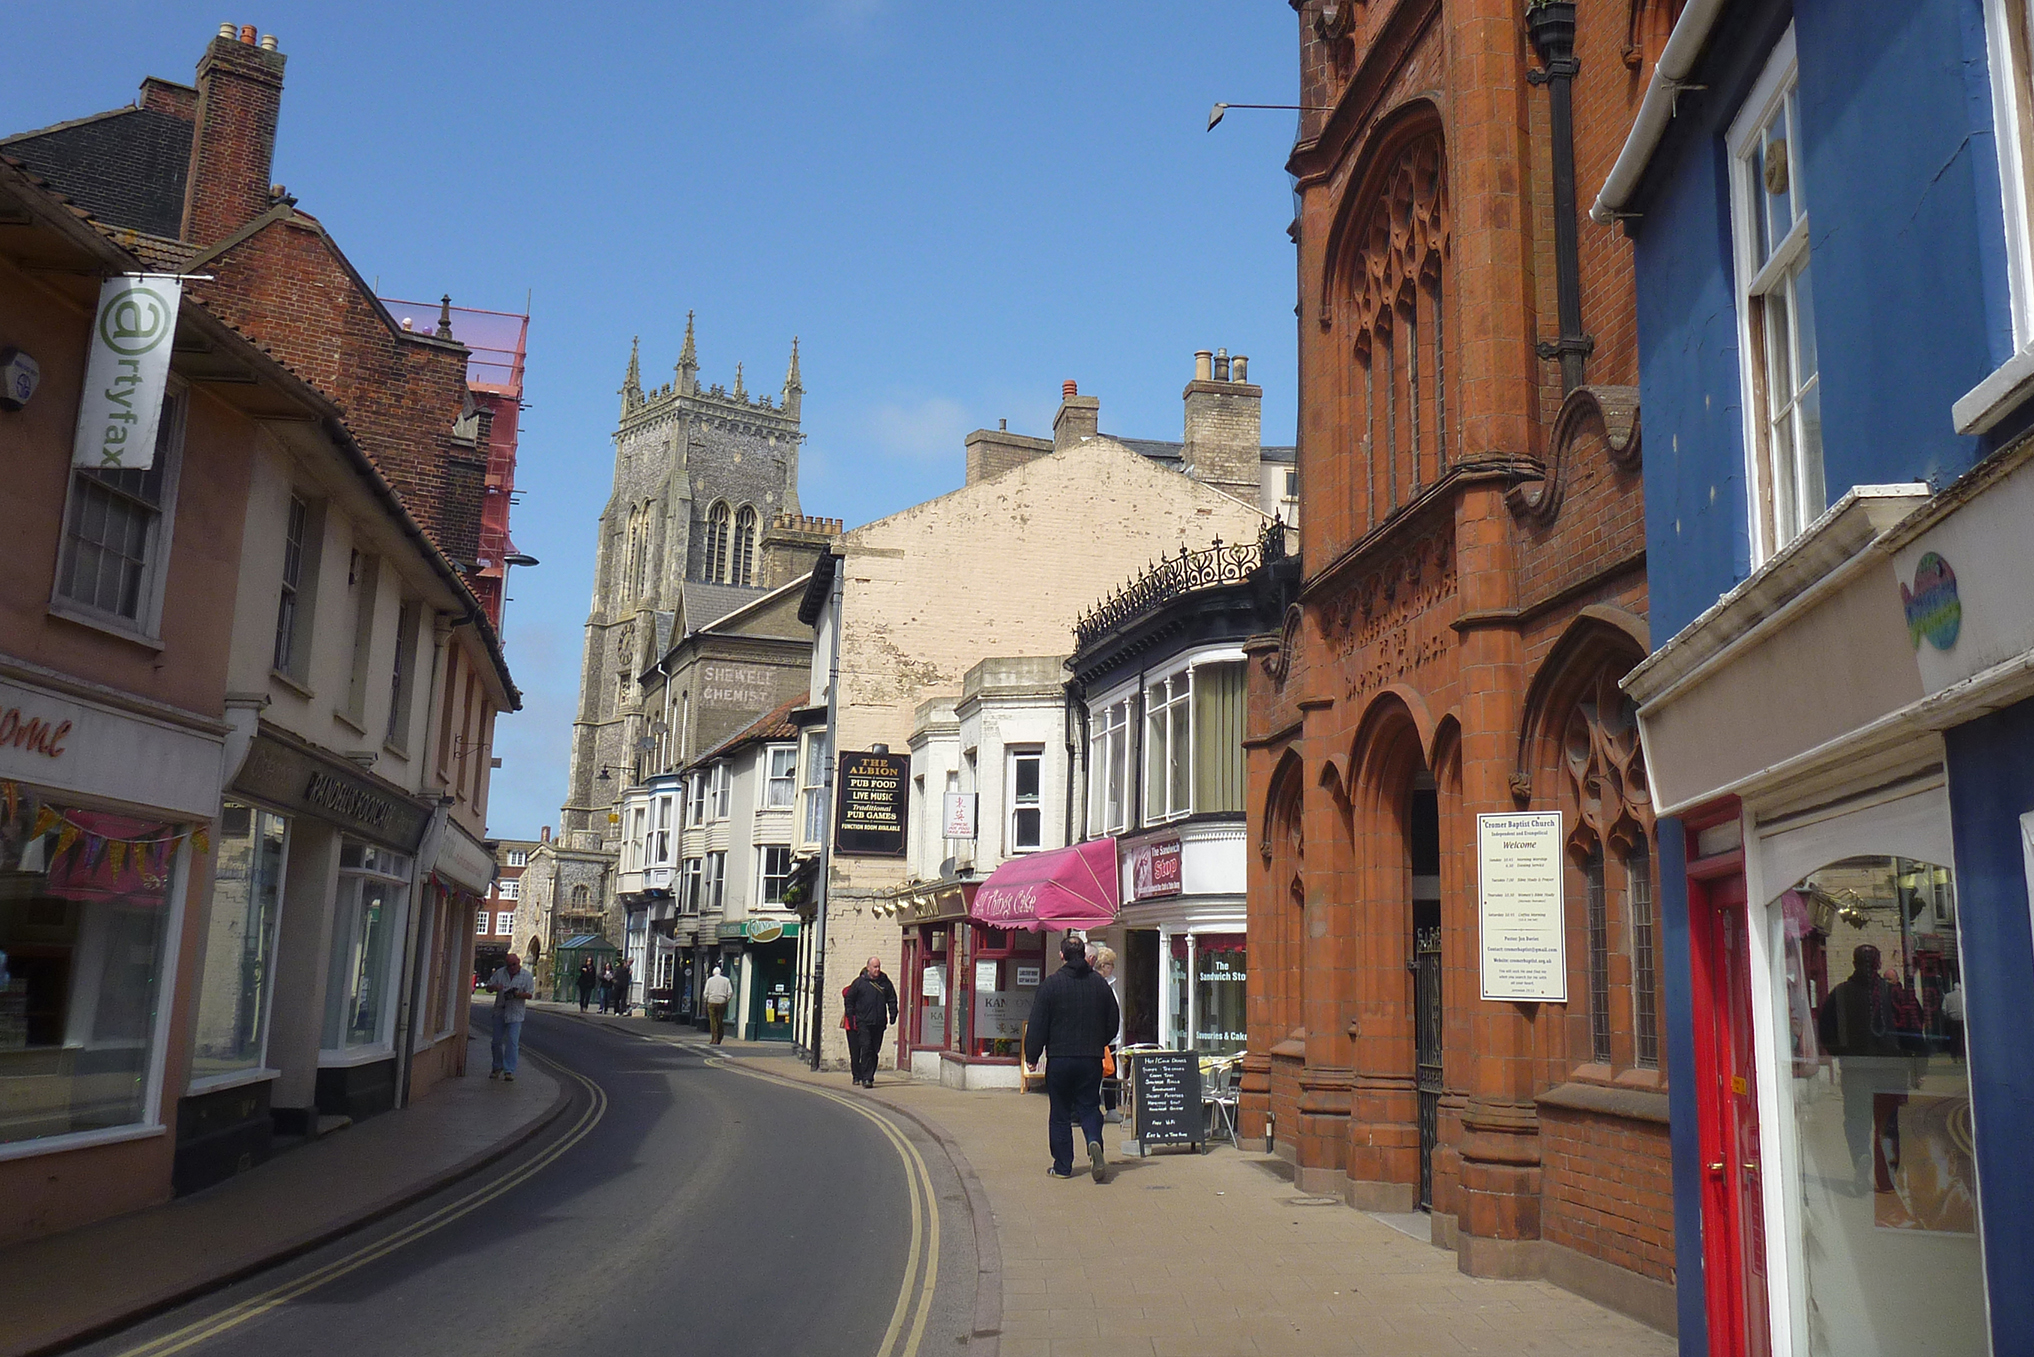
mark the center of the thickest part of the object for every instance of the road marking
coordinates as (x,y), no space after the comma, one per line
(255,1306)
(924,1208)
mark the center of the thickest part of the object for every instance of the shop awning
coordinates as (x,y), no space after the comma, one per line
(1066,888)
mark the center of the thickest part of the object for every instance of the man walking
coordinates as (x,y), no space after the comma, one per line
(588,978)
(719,989)
(1073,1018)
(624,977)
(513,989)
(871,1007)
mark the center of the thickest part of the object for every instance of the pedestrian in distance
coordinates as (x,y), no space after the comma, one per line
(1073,1017)
(513,989)
(588,978)
(719,990)
(606,986)
(1103,959)
(623,978)
(871,1007)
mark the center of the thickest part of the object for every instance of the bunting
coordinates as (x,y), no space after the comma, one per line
(112,851)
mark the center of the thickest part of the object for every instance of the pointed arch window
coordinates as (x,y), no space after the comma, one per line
(717,523)
(744,546)
(1393,309)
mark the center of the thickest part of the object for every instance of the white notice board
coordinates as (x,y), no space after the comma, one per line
(1518,874)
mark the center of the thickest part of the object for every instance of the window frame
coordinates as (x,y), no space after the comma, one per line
(1776,93)
(815,816)
(501,928)
(1014,805)
(713,880)
(661,857)
(769,782)
(722,792)
(764,876)
(1178,696)
(690,876)
(509,889)
(2009,39)
(146,625)
(695,799)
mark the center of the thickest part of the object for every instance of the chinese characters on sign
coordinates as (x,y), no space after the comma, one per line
(960,816)
(1518,872)
(869,817)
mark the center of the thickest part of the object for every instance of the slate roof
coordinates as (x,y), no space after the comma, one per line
(126,167)
(1156,449)
(706,604)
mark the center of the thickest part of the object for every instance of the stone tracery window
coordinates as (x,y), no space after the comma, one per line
(1393,310)
(744,546)
(717,522)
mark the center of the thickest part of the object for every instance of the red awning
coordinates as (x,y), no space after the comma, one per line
(1066,888)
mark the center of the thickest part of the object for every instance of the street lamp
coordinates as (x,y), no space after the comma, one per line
(1221,111)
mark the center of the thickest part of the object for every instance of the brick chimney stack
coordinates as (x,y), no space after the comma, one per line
(1079,418)
(239,100)
(1224,425)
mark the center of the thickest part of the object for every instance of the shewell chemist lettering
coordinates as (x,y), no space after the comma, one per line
(127,373)
(1518,870)
(869,819)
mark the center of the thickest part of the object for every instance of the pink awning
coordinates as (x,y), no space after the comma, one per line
(1066,888)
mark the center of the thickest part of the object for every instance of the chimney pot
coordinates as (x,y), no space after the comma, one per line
(1069,389)
(1240,366)
(1003,425)
(227,31)
(1204,365)
(1221,365)
(247,34)
(268,42)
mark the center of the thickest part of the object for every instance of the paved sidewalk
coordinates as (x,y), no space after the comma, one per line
(55,1291)
(1187,1255)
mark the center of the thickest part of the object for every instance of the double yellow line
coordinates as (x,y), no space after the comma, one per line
(915,1293)
(255,1306)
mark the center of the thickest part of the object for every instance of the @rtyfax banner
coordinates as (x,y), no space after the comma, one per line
(127,372)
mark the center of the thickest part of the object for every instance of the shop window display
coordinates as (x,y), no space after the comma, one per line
(372,903)
(1882,1193)
(85,898)
(239,975)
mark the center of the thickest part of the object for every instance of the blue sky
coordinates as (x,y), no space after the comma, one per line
(955,206)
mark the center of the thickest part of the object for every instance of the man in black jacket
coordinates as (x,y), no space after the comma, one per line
(1073,1016)
(871,1007)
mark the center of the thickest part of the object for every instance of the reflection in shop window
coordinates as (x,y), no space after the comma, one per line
(1879,1108)
(84,906)
(368,914)
(235,989)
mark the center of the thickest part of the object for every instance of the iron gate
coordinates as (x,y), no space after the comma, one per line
(1426,969)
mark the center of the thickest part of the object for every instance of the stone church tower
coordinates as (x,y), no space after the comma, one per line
(700,474)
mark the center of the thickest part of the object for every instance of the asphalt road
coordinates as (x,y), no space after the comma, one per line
(681,1205)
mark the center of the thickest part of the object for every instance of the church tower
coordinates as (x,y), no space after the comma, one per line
(699,475)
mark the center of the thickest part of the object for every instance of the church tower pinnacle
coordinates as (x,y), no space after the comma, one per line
(794,389)
(741,393)
(688,362)
(632,382)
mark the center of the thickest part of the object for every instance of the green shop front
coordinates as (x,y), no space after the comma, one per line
(760,956)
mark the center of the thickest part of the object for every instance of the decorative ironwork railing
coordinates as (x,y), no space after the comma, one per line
(1172,577)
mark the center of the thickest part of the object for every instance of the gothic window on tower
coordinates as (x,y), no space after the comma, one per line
(716,543)
(744,546)
(1393,313)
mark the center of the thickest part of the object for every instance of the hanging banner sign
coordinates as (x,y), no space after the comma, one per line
(960,816)
(1518,871)
(869,817)
(127,372)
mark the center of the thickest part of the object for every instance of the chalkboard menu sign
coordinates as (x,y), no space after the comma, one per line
(1167,1095)
(869,816)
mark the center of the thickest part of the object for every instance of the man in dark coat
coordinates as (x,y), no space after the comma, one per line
(588,978)
(871,1007)
(618,995)
(1073,1017)
(1872,1026)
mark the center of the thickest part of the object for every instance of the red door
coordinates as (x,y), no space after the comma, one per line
(1732,1205)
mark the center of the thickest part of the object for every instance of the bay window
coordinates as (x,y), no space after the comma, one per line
(783,776)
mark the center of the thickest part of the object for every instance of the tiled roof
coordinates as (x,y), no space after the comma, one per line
(1271,454)
(1155,449)
(126,167)
(706,604)
(772,725)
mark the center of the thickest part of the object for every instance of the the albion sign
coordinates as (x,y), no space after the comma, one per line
(869,820)
(127,372)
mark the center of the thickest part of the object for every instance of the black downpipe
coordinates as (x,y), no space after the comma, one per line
(1552,23)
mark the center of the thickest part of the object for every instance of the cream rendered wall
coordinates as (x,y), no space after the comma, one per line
(1001,567)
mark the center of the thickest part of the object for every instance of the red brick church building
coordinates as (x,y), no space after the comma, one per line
(1473,589)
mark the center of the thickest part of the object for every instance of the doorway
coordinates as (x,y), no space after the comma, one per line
(1732,1190)
(773,969)
(1423,843)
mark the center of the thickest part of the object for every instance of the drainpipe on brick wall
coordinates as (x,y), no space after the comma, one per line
(1552,25)
(824,882)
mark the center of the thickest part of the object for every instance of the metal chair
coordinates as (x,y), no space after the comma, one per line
(1219,1095)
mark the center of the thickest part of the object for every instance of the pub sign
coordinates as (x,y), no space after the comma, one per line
(869,815)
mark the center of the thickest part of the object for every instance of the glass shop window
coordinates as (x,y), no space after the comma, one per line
(1220,965)
(1878,1105)
(367,927)
(932,988)
(237,983)
(84,905)
(1003,969)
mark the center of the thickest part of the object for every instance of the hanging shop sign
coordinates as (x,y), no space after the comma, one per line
(1518,872)
(127,372)
(869,817)
(291,778)
(960,815)
(1155,869)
